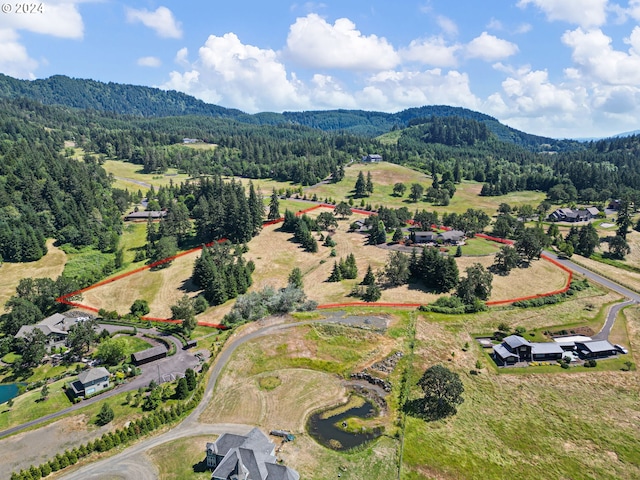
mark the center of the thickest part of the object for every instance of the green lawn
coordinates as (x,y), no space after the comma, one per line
(478,246)
(385,175)
(28,406)
(133,345)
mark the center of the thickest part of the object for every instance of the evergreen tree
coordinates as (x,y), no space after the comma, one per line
(625,212)
(372,293)
(295,278)
(274,206)
(369,278)
(369,185)
(336,274)
(360,188)
(182,390)
(256,209)
(105,415)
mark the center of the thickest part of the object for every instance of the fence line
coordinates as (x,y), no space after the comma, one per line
(65,298)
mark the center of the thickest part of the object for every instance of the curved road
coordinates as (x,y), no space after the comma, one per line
(632,297)
(180,361)
(131,464)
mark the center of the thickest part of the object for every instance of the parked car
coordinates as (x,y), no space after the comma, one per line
(621,349)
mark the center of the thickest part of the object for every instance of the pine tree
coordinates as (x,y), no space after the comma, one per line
(274,206)
(369,185)
(361,186)
(369,278)
(336,274)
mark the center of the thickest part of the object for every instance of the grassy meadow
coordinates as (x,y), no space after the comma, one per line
(50,266)
(385,175)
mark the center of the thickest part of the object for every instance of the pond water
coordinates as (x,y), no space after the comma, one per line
(324,430)
(8,391)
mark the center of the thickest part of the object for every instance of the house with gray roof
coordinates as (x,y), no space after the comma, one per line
(91,382)
(596,349)
(55,328)
(246,457)
(574,215)
(515,348)
(451,237)
(372,158)
(145,215)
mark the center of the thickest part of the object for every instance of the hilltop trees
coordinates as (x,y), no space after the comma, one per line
(222,273)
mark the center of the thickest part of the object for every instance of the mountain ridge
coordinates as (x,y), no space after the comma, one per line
(154,102)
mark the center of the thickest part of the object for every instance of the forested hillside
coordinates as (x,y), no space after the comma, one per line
(43,194)
(153,102)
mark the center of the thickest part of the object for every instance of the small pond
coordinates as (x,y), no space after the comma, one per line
(325,431)
(8,391)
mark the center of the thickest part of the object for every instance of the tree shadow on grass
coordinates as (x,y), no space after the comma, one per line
(200,467)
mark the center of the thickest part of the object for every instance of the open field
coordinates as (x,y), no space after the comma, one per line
(50,266)
(183,458)
(304,359)
(272,264)
(385,175)
(130,176)
(275,255)
(161,288)
(575,426)
(308,361)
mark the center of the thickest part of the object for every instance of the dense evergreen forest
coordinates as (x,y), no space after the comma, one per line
(153,102)
(45,193)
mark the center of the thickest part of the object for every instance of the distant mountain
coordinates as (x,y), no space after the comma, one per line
(153,102)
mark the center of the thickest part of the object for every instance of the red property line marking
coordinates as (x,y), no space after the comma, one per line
(64,299)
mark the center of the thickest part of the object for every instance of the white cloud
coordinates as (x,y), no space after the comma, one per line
(393,90)
(14,58)
(586,13)
(523,28)
(315,43)
(432,51)
(240,76)
(531,102)
(495,24)
(596,59)
(149,62)
(182,56)
(161,21)
(447,25)
(490,48)
(60,19)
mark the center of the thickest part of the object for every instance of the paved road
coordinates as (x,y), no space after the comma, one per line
(160,369)
(632,296)
(131,464)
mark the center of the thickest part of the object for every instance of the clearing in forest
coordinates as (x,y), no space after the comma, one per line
(50,266)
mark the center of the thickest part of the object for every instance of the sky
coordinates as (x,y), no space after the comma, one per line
(558,68)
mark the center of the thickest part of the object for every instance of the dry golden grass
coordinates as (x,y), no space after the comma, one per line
(50,266)
(161,288)
(276,255)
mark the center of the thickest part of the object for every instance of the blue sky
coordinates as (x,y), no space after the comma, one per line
(560,68)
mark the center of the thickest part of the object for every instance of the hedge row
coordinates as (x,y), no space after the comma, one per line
(121,436)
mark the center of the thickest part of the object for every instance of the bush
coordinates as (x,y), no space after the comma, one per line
(590,363)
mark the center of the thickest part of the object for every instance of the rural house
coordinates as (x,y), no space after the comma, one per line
(372,158)
(574,215)
(250,457)
(146,215)
(55,328)
(451,237)
(514,349)
(91,382)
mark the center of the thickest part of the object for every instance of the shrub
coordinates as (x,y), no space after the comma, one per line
(590,363)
